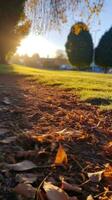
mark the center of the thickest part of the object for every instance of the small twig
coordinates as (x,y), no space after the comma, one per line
(96,196)
(109,160)
(84,169)
(45,166)
(105,192)
(77,162)
(85,182)
(68,146)
(98,123)
(38,189)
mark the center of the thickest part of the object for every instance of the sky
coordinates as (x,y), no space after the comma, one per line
(47,45)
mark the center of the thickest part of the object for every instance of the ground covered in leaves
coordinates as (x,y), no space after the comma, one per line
(52,145)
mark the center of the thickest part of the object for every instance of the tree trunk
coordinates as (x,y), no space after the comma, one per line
(105,70)
(2,59)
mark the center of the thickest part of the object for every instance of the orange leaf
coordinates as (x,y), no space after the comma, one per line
(39,138)
(60,138)
(61,156)
(108,173)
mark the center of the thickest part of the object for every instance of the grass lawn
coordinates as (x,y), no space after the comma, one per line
(87,85)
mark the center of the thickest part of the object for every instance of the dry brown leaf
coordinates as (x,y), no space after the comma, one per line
(70,187)
(25,154)
(6,101)
(25,190)
(22,166)
(108,174)
(54,192)
(90,197)
(26,178)
(108,149)
(40,195)
(60,138)
(96,176)
(61,156)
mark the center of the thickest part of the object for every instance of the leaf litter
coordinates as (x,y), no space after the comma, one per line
(59,136)
(3,131)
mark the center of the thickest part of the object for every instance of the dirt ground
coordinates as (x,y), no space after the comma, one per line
(27,110)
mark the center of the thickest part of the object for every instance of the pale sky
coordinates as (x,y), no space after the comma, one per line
(46,45)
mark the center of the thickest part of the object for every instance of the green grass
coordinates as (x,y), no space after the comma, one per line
(87,85)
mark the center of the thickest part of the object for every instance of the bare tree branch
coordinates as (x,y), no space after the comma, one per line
(51,14)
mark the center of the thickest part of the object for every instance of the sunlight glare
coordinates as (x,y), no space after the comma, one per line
(37,44)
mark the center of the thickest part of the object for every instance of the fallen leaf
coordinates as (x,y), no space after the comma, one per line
(40,195)
(61,156)
(54,192)
(26,178)
(96,176)
(25,190)
(60,138)
(70,187)
(108,174)
(6,101)
(90,197)
(22,166)
(25,154)
(39,138)
(108,149)
(63,135)
(8,140)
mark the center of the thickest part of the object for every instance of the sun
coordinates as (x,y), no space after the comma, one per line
(37,44)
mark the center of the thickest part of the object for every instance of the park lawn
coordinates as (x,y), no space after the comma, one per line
(87,85)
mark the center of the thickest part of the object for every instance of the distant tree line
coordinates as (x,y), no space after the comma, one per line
(80,50)
(32,61)
(36,61)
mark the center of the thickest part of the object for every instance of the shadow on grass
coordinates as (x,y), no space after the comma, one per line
(99,101)
(4,69)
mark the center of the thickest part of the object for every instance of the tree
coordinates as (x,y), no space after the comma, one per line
(79,45)
(60,54)
(51,14)
(13,26)
(103,52)
(34,61)
(15,59)
(60,57)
